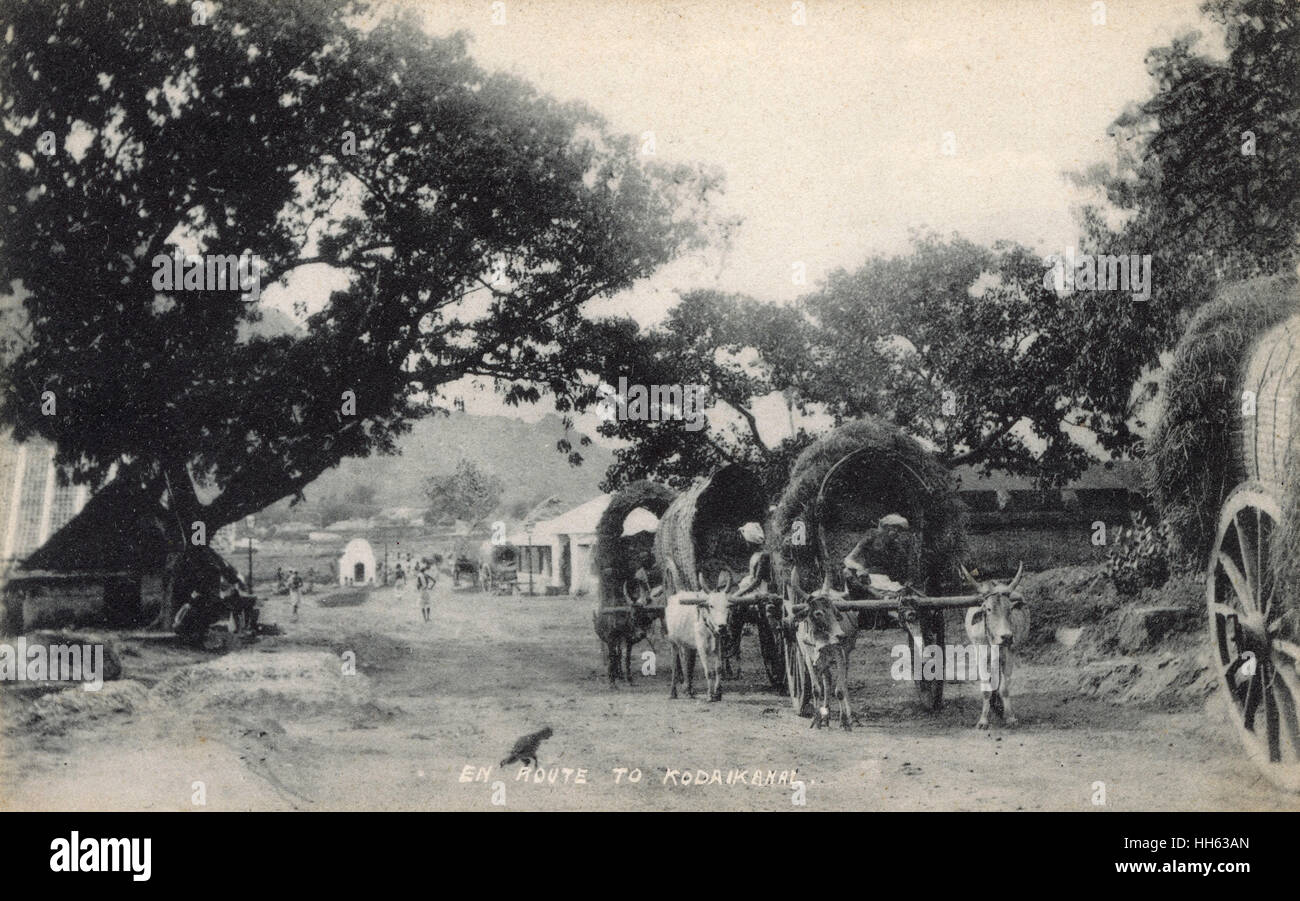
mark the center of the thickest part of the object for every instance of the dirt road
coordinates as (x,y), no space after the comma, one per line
(280,725)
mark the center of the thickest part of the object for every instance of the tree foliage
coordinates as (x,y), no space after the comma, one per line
(468,493)
(471,215)
(953,342)
(1205,175)
(957,343)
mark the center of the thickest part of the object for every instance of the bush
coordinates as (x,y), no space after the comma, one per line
(1140,558)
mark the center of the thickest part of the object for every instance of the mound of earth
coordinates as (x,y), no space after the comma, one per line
(55,712)
(288,682)
(1091,641)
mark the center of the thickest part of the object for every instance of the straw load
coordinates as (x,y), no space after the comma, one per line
(1231,415)
(869,469)
(617,556)
(700,532)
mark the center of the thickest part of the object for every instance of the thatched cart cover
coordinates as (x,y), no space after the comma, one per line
(700,532)
(886,472)
(1203,446)
(502,558)
(617,556)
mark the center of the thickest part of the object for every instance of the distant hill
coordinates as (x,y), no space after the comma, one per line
(521,454)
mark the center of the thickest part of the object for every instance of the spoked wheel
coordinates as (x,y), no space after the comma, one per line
(773,658)
(1254,634)
(926,630)
(796,678)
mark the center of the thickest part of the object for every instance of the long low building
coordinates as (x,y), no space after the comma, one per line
(558,551)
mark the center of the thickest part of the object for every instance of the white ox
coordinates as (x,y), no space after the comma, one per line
(999,622)
(696,625)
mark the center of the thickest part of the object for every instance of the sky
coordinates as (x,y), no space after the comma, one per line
(832,133)
(839,136)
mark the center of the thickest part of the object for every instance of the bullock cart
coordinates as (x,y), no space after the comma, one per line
(700,535)
(498,567)
(1238,365)
(626,573)
(463,559)
(841,490)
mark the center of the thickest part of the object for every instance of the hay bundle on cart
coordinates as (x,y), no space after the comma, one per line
(618,556)
(1199,451)
(1225,471)
(842,485)
(700,535)
(700,532)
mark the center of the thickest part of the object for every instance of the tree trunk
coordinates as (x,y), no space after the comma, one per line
(183,509)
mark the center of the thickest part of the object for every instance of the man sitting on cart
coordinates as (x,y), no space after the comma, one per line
(760,565)
(885,560)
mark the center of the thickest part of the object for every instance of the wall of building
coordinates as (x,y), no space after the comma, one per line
(33,505)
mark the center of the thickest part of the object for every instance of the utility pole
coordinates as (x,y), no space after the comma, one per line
(529,534)
(249,522)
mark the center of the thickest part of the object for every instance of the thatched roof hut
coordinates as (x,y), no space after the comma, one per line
(108,561)
(119,530)
(870,469)
(1203,445)
(617,556)
(700,532)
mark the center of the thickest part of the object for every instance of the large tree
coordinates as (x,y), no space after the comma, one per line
(731,350)
(1205,175)
(471,216)
(955,343)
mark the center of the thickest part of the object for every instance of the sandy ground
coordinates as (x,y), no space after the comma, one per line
(433,708)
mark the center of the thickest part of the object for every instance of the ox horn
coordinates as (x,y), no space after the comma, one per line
(724,581)
(967,577)
(1019,574)
(626,596)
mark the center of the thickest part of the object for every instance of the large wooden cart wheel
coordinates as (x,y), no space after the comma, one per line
(1254,635)
(796,675)
(773,657)
(925,628)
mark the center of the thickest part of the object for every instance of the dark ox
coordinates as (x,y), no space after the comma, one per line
(620,629)
(999,623)
(825,639)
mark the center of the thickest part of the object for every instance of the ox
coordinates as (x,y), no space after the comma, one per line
(825,639)
(620,629)
(696,625)
(999,622)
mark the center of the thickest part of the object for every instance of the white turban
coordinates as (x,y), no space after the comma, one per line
(894,520)
(752,532)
